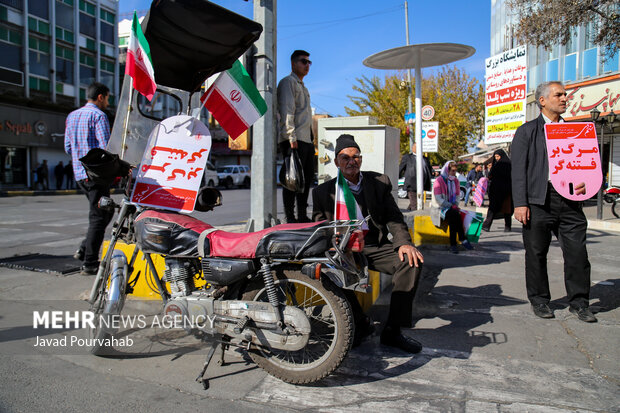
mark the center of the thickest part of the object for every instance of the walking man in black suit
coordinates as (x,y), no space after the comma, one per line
(407,168)
(543,212)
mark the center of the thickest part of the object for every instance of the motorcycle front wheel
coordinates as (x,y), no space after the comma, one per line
(108,304)
(615,208)
(331,333)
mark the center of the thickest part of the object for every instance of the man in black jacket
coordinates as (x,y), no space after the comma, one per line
(544,212)
(407,166)
(373,194)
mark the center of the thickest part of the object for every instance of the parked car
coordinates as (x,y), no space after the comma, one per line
(210,177)
(231,175)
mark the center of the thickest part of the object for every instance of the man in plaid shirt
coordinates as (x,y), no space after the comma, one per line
(87,128)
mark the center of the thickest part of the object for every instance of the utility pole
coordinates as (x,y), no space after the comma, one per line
(418,118)
(263,191)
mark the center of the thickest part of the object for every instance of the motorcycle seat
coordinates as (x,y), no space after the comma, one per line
(169,233)
(280,241)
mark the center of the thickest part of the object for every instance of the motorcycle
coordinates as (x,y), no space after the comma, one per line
(277,293)
(612,196)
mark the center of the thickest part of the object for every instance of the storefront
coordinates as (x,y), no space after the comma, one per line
(27,137)
(602,94)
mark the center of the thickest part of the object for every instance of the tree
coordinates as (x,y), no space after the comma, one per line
(545,22)
(457,97)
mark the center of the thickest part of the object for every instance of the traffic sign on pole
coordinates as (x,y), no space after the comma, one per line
(428,112)
(430,136)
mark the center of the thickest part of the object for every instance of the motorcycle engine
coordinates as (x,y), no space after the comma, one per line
(179,275)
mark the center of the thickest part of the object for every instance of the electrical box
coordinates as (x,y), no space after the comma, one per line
(379,145)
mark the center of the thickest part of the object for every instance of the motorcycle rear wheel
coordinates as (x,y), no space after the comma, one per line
(108,304)
(331,333)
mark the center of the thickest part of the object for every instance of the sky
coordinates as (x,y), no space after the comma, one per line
(340,34)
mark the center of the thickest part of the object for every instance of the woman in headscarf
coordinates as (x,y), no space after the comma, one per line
(446,193)
(500,191)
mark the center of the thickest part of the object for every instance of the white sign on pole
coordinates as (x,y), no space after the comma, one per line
(430,136)
(428,112)
(505,95)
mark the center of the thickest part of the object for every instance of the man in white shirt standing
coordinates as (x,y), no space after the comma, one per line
(296,131)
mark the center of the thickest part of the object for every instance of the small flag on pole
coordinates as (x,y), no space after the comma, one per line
(234,101)
(347,208)
(139,64)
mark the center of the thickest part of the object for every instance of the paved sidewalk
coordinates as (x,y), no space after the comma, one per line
(484,350)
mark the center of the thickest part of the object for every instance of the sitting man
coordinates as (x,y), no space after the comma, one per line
(373,194)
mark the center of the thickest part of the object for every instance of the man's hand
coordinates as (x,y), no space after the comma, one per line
(293,144)
(522,214)
(413,255)
(580,189)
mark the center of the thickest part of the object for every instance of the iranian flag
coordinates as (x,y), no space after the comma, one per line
(234,101)
(347,207)
(139,64)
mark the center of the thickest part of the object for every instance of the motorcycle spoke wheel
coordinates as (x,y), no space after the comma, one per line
(331,332)
(108,304)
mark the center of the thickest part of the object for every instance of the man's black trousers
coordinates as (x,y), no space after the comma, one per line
(565,219)
(98,220)
(306,156)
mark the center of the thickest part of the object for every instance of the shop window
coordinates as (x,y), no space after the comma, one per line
(13,166)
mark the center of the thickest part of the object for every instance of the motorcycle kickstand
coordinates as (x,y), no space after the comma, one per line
(201,378)
(225,346)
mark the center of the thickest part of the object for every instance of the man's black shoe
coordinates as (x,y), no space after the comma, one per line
(584,314)
(79,255)
(89,270)
(396,339)
(542,310)
(304,219)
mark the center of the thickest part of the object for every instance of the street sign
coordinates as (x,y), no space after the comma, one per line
(410,118)
(428,112)
(430,136)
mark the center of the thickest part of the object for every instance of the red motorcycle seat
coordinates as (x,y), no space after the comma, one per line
(267,242)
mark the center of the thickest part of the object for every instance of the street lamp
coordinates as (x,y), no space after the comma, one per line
(609,119)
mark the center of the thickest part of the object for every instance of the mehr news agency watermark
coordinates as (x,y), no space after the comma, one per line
(55,319)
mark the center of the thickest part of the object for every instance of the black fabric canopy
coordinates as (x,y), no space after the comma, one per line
(191,40)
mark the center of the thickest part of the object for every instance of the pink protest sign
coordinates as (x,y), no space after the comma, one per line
(574,159)
(173,164)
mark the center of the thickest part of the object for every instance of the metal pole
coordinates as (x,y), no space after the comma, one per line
(418,130)
(263,191)
(409,91)
(599,196)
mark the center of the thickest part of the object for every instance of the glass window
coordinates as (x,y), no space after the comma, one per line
(589,62)
(88,25)
(106,15)
(107,32)
(87,75)
(552,70)
(39,8)
(572,45)
(39,84)
(64,16)
(64,70)
(611,63)
(11,56)
(11,36)
(570,67)
(39,63)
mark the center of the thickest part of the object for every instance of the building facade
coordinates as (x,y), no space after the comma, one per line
(51,51)
(590,74)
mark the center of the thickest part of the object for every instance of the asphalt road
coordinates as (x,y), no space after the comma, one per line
(484,350)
